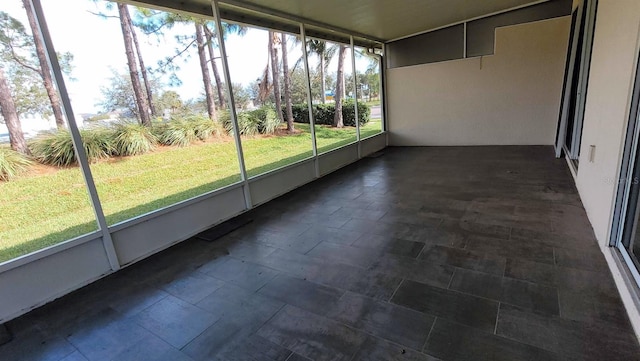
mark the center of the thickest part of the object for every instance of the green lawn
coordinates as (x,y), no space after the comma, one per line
(39,210)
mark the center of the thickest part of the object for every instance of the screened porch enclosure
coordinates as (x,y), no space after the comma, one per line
(328,180)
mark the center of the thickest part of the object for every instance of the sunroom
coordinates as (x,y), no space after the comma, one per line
(281,180)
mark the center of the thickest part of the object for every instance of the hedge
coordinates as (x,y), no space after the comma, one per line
(323,113)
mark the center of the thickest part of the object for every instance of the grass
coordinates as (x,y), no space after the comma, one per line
(48,205)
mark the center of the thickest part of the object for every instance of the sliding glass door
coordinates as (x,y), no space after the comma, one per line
(576,78)
(625,234)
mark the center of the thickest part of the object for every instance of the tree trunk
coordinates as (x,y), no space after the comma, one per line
(338,120)
(206,77)
(143,69)
(45,69)
(216,74)
(8,110)
(141,102)
(287,84)
(275,73)
(322,80)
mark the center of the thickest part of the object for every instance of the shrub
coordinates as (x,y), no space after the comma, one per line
(182,132)
(56,148)
(132,138)
(323,113)
(12,163)
(267,119)
(349,113)
(98,143)
(224,117)
(247,124)
(176,132)
(260,121)
(204,127)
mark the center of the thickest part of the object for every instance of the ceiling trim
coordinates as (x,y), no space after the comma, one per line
(469,20)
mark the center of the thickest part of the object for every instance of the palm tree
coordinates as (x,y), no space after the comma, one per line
(141,101)
(325,52)
(274,39)
(210,35)
(204,36)
(206,77)
(338,120)
(287,85)
(10,115)
(45,69)
(143,69)
(144,99)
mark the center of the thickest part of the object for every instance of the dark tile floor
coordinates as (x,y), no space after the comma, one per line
(477,253)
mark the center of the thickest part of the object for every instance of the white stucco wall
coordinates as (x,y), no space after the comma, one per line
(508,98)
(613,64)
(611,80)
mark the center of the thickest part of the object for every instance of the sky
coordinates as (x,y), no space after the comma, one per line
(98,49)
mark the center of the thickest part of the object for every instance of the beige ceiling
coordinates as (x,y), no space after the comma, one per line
(388,19)
(381,20)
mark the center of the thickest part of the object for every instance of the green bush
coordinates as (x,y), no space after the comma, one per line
(323,113)
(177,133)
(132,138)
(56,148)
(182,132)
(263,120)
(267,119)
(204,128)
(247,125)
(12,163)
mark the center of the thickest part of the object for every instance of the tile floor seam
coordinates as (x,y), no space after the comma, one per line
(169,343)
(426,341)
(464,293)
(451,279)
(290,355)
(559,303)
(396,290)
(75,349)
(151,305)
(249,262)
(505,337)
(424,246)
(495,329)
(369,334)
(355,240)
(284,304)
(80,352)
